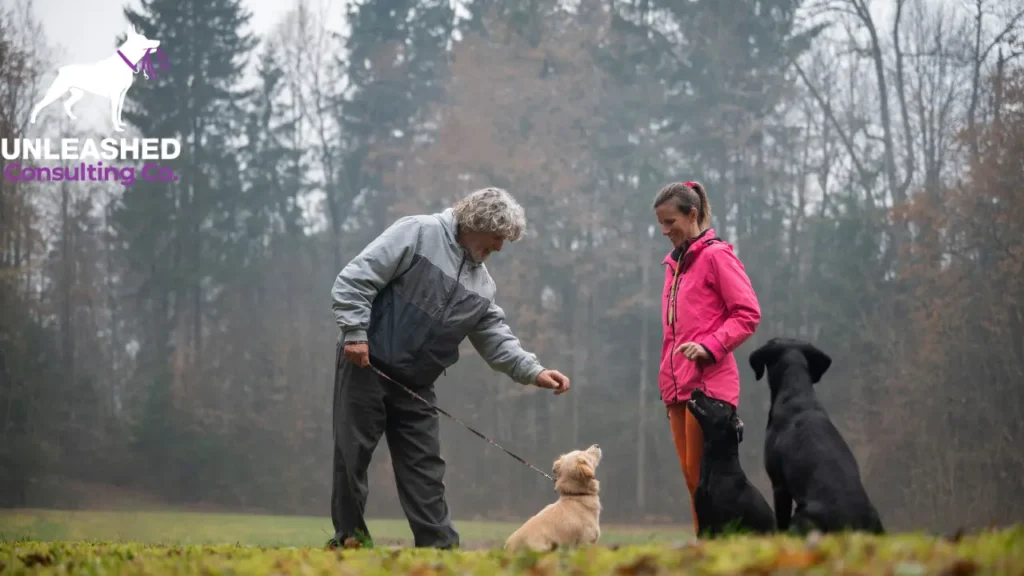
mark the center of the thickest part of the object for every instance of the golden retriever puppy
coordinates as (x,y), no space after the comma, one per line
(574,519)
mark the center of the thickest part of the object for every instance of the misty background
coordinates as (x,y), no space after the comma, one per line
(172,343)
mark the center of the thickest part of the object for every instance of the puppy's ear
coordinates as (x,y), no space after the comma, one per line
(764,356)
(584,470)
(737,425)
(817,361)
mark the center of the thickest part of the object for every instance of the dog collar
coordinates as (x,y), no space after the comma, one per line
(129,62)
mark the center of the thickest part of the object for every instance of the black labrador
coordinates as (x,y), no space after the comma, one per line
(805,456)
(725,500)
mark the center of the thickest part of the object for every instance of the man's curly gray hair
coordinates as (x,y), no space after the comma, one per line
(491,210)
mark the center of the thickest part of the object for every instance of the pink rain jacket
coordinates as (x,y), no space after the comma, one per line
(707,299)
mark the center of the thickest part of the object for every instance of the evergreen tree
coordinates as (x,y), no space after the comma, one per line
(272,166)
(270,223)
(732,81)
(396,67)
(173,233)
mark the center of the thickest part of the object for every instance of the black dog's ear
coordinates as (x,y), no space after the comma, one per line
(737,425)
(817,361)
(763,356)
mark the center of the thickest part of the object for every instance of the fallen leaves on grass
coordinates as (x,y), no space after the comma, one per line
(1000,552)
(962,567)
(425,570)
(797,559)
(645,565)
(36,559)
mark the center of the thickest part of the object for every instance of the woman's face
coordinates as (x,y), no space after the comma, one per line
(678,227)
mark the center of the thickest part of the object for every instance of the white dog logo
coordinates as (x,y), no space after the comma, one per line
(110,77)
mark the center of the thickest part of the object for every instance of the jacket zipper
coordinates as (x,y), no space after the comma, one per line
(675,319)
(675,290)
(448,301)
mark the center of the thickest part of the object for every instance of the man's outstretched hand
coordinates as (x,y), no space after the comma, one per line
(553,380)
(358,353)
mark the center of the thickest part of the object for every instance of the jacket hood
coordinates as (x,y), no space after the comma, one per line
(447,219)
(451,227)
(692,247)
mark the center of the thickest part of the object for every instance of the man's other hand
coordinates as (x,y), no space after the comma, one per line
(358,353)
(553,380)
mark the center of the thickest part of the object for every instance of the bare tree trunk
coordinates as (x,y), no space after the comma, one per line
(579,359)
(997,96)
(178,293)
(66,291)
(6,230)
(972,108)
(306,40)
(1011,23)
(196,345)
(641,431)
(115,338)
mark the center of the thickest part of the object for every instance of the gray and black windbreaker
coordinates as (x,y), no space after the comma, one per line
(414,294)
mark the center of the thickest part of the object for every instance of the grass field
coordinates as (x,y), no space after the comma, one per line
(53,542)
(185,528)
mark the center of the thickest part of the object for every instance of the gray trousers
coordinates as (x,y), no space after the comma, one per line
(366,406)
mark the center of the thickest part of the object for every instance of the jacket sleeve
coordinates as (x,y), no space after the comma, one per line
(358,283)
(740,302)
(494,340)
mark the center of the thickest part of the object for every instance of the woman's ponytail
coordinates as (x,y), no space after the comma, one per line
(704,209)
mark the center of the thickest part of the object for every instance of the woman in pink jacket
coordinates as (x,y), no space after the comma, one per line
(708,309)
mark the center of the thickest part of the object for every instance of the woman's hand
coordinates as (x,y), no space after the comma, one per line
(693,352)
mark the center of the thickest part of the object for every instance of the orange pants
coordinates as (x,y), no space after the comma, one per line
(689,440)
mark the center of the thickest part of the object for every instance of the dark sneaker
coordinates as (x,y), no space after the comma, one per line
(346,542)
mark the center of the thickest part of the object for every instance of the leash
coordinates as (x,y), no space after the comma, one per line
(464,425)
(146,63)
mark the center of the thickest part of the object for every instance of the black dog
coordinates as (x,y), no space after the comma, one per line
(806,458)
(724,498)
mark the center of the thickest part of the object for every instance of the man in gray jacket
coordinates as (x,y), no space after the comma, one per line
(404,304)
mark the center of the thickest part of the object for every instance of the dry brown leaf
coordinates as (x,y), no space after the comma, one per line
(642,566)
(36,559)
(796,559)
(423,570)
(961,567)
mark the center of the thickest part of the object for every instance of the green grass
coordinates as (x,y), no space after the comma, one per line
(187,528)
(909,554)
(48,542)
